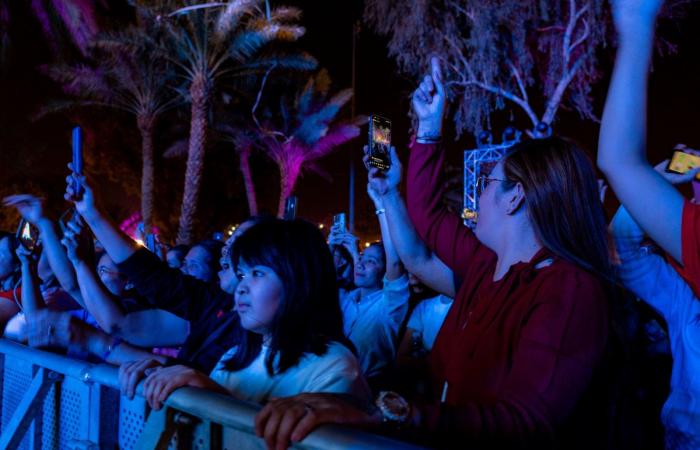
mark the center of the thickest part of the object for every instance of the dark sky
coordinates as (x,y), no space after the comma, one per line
(33,153)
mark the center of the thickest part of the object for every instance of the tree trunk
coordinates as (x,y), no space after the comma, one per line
(244,164)
(199,91)
(289,172)
(146,124)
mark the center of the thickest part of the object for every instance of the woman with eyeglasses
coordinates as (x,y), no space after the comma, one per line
(529,321)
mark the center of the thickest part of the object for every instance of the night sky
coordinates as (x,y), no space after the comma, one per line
(33,153)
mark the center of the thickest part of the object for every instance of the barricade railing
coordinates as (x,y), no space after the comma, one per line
(49,401)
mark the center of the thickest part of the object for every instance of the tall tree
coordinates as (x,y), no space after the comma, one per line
(297,133)
(214,41)
(126,71)
(537,56)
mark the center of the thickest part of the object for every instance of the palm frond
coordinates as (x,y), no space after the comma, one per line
(285,14)
(337,135)
(297,61)
(229,18)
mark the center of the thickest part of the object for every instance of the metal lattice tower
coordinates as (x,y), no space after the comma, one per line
(474,159)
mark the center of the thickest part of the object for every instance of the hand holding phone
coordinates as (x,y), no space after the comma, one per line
(27,235)
(379,142)
(683,160)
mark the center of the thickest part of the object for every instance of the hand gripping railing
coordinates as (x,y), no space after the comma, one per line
(214,420)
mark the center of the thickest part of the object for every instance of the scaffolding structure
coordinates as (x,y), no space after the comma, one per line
(474,160)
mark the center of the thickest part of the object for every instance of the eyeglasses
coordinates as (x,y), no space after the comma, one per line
(483,181)
(105,271)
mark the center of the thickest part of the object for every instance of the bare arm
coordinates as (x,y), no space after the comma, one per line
(416,256)
(117,244)
(622,143)
(32,300)
(394,268)
(411,249)
(31,209)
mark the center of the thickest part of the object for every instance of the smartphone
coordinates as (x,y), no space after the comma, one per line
(681,162)
(77,141)
(290,208)
(27,235)
(339,221)
(379,142)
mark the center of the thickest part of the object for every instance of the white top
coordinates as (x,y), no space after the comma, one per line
(372,323)
(427,318)
(336,371)
(654,280)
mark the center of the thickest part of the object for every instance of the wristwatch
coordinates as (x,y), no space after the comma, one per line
(394,408)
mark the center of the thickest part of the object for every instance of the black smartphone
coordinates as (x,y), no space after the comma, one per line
(681,162)
(379,142)
(339,221)
(290,208)
(77,142)
(27,235)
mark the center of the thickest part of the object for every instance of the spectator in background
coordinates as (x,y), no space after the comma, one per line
(654,280)
(176,256)
(202,260)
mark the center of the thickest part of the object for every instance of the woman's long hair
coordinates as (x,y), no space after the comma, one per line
(308,316)
(562,201)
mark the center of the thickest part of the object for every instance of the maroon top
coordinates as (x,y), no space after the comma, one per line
(514,355)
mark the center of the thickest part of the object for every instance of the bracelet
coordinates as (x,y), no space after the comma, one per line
(116,342)
(380,211)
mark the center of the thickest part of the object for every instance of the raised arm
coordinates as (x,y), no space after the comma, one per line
(31,210)
(413,252)
(163,287)
(394,268)
(32,301)
(441,230)
(622,143)
(118,245)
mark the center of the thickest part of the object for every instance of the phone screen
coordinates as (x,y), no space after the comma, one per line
(77,143)
(379,142)
(290,209)
(681,162)
(27,235)
(339,220)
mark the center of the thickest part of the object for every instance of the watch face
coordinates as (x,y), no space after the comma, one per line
(393,406)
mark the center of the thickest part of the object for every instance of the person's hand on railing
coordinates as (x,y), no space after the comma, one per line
(130,373)
(28,206)
(162,381)
(291,419)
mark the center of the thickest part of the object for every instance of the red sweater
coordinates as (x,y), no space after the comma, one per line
(513,356)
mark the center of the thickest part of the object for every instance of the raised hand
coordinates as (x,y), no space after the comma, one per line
(676,178)
(28,206)
(382,182)
(73,240)
(85,202)
(429,102)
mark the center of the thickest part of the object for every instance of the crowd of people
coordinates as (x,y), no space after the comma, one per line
(510,335)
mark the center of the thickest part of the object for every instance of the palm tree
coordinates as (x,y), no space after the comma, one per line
(309,130)
(127,73)
(213,41)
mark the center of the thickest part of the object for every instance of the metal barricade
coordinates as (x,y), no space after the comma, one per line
(48,401)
